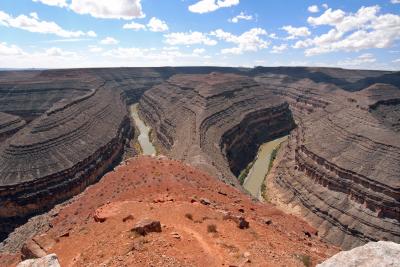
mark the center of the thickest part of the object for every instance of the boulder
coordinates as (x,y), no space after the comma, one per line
(31,250)
(382,253)
(205,201)
(243,224)
(50,260)
(146,226)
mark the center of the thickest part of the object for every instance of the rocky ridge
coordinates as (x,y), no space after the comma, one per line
(189,219)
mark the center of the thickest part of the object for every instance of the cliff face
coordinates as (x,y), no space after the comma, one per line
(9,124)
(341,164)
(61,152)
(215,121)
(71,144)
(77,128)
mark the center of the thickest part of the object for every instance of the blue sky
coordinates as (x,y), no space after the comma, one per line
(102,33)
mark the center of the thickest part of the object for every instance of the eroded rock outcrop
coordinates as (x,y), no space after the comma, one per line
(341,164)
(62,151)
(50,260)
(215,121)
(9,124)
(382,253)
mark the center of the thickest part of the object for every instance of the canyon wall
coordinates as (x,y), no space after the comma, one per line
(9,124)
(340,167)
(60,130)
(215,121)
(69,146)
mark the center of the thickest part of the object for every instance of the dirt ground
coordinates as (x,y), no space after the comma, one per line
(199,219)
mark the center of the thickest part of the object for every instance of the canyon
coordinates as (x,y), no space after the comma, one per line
(62,130)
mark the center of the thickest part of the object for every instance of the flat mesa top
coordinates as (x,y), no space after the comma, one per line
(212,84)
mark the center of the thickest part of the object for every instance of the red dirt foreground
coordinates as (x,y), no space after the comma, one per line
(199,218)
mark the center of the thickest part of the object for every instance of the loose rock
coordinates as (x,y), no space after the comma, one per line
(243,224)
(147,226)
(50,260)
(205,201)
(31,250)
(382,253)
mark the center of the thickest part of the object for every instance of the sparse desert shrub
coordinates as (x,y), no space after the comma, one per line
(211,228)
(243,174)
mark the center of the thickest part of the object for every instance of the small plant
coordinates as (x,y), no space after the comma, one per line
(211,228)
(189,216)
(245,172)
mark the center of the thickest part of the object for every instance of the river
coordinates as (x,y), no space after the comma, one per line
(143,138)
(259,170)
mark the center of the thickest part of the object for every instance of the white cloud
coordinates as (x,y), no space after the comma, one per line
(138,56)
(34,15)
(295,32)
(396,60)
(199,51)
(273,36)
(154,25)
(395,1)
(325,6)
(58,52)
(354,32)
(170,48)
(329,17)
(241,16)
(134,26)
(277,49)
(91,34)
(69,40)
(327,38)
(12,56)
(157,25)
(363,59)
(358,20)
(10,50)
(303,43)
(248,41)
(105,9)
(205,6)
(190,38)
(95,49)
(59,3)
(109,41)
(313,9)
(33,24)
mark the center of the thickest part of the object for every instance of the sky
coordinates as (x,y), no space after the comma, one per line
(360,34)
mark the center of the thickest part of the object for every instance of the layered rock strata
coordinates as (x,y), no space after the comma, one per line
(77,130)
(61,152)
(341,164)
(9,124)
(214,121)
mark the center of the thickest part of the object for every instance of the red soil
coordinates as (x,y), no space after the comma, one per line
(170,191)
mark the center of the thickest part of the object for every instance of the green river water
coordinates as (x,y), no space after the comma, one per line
(143,138)
(259,170)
